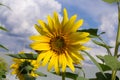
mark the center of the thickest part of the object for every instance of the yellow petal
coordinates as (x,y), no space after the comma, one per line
(60,60)
(56,19)
(65,17)
(64,62)
(14,66)
(77,25)
(78,37)
(77,47)
(41,56)
(70,62)
(75,60)
(40,38)
(57,24)
(69,24)
(52,62)
(77,55)
(82,41)
(40,46)
(47,58)
(45,27)
(50,23)
(57,70)
(39,29)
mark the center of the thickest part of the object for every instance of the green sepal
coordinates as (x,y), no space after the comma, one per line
(24,56)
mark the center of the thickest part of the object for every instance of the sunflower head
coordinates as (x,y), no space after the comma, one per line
(23,67)
(59,42)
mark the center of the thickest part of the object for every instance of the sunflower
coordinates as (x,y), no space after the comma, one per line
(59,43)
(20,67)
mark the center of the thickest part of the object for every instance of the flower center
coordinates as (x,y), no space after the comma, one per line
(57,44)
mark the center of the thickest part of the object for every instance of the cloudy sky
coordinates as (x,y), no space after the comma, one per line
(24,14)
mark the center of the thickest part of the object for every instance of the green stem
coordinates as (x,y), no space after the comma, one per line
(118,32)
(117,42)
(63,75)
(114,74)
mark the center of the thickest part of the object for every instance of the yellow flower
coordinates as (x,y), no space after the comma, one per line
(59,43)
(20,65)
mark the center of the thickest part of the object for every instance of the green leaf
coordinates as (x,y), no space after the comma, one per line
(94,61)
(111,1)
(40,73)
(112,62)
(100,76)
(1,46)
(81,78)
(3,76)
(93,32)
(68,75)
(0,77)
(105,67)
(2,28)
(101,44)
(24,56)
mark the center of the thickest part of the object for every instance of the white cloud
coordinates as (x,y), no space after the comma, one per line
(25,13)
(21,19)
(109,24)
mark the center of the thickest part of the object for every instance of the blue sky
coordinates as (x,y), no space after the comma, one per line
(25,13)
